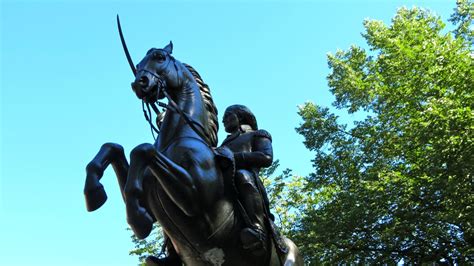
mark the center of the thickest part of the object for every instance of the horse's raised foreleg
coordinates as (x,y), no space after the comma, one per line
(175,180)
(109,153)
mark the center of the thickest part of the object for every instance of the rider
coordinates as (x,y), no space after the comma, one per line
(252,150)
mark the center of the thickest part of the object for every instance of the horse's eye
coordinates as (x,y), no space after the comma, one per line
(159,56)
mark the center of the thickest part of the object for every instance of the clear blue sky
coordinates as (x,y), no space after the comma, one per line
(65,90)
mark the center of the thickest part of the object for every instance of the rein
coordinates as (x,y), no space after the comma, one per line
(148,117)
(186,118)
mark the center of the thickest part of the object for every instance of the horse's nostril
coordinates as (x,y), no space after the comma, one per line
(143,81)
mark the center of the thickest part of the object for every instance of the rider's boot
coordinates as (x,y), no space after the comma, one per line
(254,240)
(254,237)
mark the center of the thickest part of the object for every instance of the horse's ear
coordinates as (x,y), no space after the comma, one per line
(169,48)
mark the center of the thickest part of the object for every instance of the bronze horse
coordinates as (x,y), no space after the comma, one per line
(179,181)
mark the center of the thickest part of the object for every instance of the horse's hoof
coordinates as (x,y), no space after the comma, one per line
(95,198)
(140,222)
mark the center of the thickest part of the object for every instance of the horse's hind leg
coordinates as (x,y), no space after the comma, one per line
(109,153)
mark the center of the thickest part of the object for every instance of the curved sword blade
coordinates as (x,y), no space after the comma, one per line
(125,49)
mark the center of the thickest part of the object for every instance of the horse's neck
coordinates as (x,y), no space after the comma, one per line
(189,101)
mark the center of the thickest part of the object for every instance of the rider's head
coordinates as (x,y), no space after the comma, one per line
(237,115)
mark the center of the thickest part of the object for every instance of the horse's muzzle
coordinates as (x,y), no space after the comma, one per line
(146,88)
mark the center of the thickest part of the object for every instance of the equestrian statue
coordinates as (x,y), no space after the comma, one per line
(209,200)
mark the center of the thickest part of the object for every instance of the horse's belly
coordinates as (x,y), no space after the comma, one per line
(212,226)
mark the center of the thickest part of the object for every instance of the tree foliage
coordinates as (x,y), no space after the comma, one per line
(151,246)
(463,18)
(397,185)
(284,193)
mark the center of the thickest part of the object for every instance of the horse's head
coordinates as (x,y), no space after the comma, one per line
(156,72)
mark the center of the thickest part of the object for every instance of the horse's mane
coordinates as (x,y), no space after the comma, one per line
(213,123)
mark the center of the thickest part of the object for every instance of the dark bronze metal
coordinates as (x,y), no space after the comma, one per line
(187,185)
(125,49)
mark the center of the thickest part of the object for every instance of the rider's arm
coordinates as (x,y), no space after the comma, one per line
(261,154)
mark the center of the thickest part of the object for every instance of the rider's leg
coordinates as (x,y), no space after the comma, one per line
(253,238)
(109,153)
(266,201)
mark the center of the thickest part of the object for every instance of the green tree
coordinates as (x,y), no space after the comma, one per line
(151,246)
(398,184)
(463,17)
(284,193)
